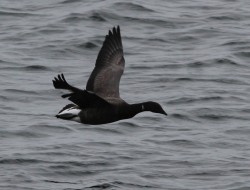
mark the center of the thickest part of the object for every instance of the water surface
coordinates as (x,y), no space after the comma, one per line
(190,56)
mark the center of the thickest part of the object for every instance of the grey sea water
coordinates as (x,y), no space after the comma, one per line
(193,57)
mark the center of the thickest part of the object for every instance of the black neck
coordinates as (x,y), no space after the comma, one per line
(132,109)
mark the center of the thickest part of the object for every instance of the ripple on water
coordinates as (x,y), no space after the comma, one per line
(18,91)
(70,1)
(103,130)
(31,68)
(120,184)
(48,128)
(99,16)
(22,134)
(20,161)
(183,117)
(17,14)
(186,100)
(132,6)
(87,45)
(36,68)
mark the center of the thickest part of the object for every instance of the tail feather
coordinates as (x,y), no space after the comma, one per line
(67,95)
(67,107)
(69,112)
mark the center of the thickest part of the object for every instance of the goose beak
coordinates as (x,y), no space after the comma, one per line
(163,112)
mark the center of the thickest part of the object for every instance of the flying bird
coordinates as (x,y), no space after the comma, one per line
(100,103)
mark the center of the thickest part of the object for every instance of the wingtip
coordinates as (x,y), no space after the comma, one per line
(59,82)
(54,82)
(62,75)
(114,30)
(117,29)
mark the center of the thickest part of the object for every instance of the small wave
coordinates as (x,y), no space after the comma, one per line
(154,39)
(50,128)
(87,163)
(245,54)
(197,64)
(18,91)
(217,114)
(104,130)
(246,110)
(72,17)
(184,143)
(181,116)
(219,117)
(100,186)
(181,100)
(4,98)
(210,172)
(16,14)
(94,16)
(225,18)
(100,143)
(36,68)
(187,79)
(131,6)
(186,38)
(229,81)
(20,161)
(217,62)
(8,63)
(120,184)
(239,131)
(131,185)
(87,45)
(226,61)
(157,22)
(50,31)
(218,80)
(103,16)
(214,63)
(202,7)
(74,172)
(22,133)
(236,43)
(70,1)
(26,68)
(186,100)
(54,181)
(129,124)
(160,66)
(63,182)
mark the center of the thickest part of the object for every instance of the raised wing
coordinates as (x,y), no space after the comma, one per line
(82,98)
(105,78)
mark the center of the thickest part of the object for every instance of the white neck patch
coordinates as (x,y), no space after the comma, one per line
(142,107)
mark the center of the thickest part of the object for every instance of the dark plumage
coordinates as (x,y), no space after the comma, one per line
(101,103)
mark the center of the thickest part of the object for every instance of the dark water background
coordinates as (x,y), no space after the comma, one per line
(193,57)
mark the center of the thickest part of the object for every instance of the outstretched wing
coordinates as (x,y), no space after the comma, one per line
(105,78)
(82,98)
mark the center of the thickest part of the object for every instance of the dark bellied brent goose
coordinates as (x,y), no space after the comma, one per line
(101,103)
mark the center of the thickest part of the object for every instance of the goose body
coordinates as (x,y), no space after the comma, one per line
(100,103)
